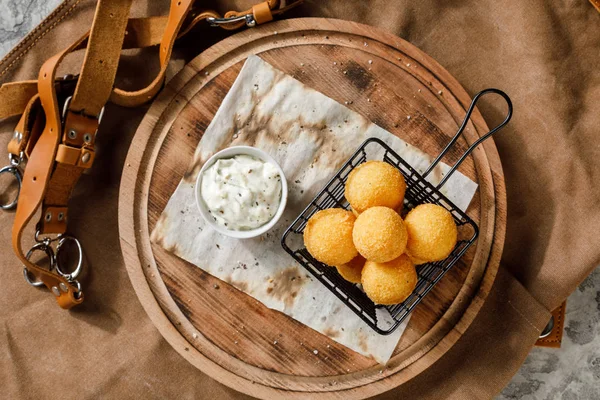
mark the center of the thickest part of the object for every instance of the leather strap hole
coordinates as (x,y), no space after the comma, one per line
(44,75)
(178,3)
(35,178)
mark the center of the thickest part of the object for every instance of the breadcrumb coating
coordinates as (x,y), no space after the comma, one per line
(328,236)
(379,234)
(375,183)
(391,282)
(432,233)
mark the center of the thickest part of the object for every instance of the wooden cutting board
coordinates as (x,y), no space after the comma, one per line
(229,335)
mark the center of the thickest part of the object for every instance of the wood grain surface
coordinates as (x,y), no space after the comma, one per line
(231,336)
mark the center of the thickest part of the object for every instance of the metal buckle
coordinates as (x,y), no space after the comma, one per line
(66,108)
(248,19)
(13,168)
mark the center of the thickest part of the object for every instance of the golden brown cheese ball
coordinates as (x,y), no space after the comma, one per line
(375,183)
(328,236)
(379,234)
(391,282)
(432,233)
(352,270)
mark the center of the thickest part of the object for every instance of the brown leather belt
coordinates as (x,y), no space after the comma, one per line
(59,121)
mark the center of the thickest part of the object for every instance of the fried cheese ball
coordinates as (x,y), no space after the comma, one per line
(432,233)
(379,234)
(390,282)
(328,236)
(375,183)
(352,270)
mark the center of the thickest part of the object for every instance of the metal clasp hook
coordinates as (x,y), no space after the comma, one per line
(248,19)
(70,276)
(462,128)
(51,258)
(45,244)
(13,168)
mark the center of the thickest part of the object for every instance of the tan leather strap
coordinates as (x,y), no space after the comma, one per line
(42,182)
(32,120)
(20,139)
(101,58)
(37,175)
(83,111)
(82,117)
(15,96)
(177,13)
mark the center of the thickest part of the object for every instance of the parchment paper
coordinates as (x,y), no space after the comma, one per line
(310,136)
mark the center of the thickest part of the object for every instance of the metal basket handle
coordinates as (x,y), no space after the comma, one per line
(462,128)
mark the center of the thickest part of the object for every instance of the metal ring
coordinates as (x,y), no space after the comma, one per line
(73,275)
(49,253)
(17,174)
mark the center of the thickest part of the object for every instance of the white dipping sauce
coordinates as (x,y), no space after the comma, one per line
(241,193)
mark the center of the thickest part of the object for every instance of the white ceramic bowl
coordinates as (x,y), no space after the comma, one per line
(229,153)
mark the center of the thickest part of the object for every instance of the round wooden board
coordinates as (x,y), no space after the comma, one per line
(226,333)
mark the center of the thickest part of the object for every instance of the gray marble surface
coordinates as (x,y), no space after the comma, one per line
(571,372)
(19,17)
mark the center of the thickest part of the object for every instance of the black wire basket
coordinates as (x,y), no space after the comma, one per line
(385,319)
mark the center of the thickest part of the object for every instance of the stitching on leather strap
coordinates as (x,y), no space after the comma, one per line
(37,39)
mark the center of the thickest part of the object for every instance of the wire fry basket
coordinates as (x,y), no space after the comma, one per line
(386,319)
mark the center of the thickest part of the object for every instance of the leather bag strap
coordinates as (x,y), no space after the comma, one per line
(41,171)
(101,57)
(82,114)
(36,177)
(20,139)
(177,13)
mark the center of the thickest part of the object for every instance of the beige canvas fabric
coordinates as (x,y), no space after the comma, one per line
(544,54)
